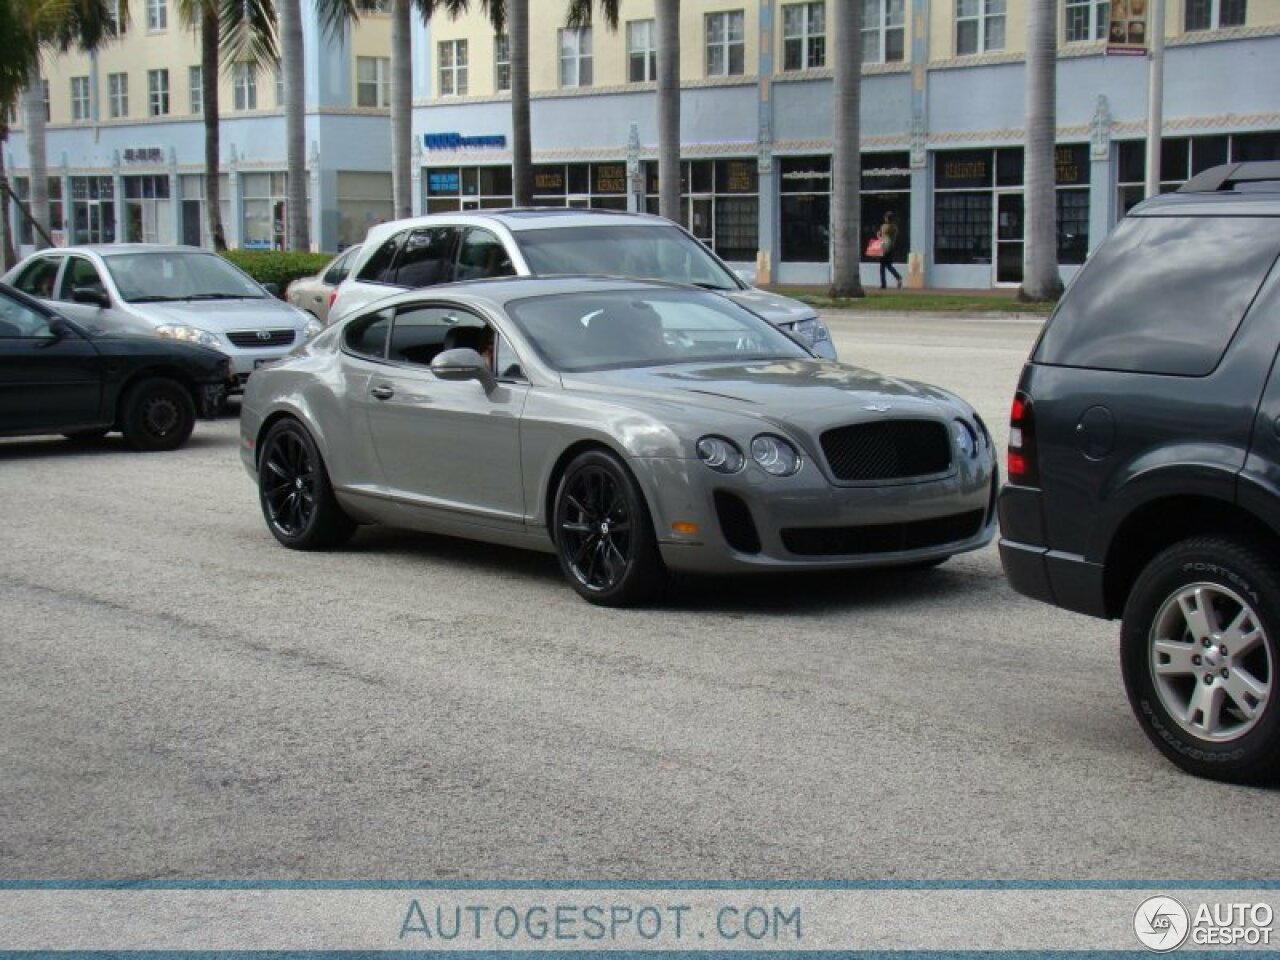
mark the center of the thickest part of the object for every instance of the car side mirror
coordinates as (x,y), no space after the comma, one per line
(272,289)
(463,363)
(92,295)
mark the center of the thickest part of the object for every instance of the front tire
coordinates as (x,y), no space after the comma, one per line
(604,535)
(1199,652)
(157,414)
(294,490)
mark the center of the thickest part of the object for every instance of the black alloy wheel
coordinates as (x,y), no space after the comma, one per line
(604,536)
(293,488)
(157,414)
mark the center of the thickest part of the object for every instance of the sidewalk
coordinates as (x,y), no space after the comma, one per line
(991,305)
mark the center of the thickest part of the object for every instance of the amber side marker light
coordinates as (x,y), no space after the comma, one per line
(682,526)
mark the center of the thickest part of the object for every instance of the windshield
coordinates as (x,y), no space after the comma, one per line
(179,275)
(621,250)
(579,332)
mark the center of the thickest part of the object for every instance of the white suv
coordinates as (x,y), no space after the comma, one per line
(448,247)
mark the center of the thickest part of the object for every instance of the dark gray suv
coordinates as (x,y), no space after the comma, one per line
(1144,465)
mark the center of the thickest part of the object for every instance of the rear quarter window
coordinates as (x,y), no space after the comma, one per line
(1163,295)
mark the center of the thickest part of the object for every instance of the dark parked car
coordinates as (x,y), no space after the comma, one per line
(59,377)
(1144,466)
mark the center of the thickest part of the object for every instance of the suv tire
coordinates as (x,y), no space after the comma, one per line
(1198,649)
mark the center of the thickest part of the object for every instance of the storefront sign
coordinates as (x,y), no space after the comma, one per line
(1071,164)
(443,182)
(1128,31)
(963,170)
(737,176)
(144,155)
(456,141)
(610,177)
(548,180)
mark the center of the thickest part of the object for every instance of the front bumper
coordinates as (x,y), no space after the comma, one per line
(710,523)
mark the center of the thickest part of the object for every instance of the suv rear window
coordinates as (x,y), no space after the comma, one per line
(1164,295)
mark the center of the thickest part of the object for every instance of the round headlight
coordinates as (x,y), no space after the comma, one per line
(966,439)
(775,455)
(721,455)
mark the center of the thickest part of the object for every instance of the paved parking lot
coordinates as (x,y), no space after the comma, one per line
(181,697)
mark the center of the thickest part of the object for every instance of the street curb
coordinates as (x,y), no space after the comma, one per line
(984,317)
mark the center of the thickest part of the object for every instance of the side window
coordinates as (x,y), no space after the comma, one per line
(367,337)
(508,364)
(19,321)
(421,332)
(1162,295)
(79,273)
(37,280)
(481,255)
(339,269)
(427,257)
(379,267)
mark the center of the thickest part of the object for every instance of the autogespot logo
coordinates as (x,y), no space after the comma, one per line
(1161,923)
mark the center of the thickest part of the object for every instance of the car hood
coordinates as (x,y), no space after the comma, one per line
(219,316)
(811,394)
(777,310)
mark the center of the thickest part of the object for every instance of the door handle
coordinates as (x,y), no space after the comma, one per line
(383,392)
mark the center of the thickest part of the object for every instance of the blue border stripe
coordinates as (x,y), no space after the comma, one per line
(658,885)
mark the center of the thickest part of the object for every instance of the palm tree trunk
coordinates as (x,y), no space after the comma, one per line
(521,133)
(1040,277)
(7,255)
(37,152)
(846,150)
(667,23)
(209,60)
(298,236)
(401,108)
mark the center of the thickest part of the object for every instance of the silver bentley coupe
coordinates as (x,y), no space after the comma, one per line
(630,427)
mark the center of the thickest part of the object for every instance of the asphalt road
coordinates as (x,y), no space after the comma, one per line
(181,697)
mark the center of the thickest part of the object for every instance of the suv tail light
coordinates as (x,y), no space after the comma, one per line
(1023,468)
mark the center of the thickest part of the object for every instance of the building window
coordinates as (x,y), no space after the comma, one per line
(93,212)
(80,98)
(502,63)
(157,93)
(642,52)
(195,80)
(1214,14)
(147,210)
(373,82)
(804,36)
(719,204)
(265,196)
(883,31)
(22,186)
(279,78)
(118,92)
(44,90)
(157,15)
(979,26)
(245,83)
(113,16)
(449,189)
(453,68)
(575,57)
(726,44)
(1086,20)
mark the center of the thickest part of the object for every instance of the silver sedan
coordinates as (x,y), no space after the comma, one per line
(631,427)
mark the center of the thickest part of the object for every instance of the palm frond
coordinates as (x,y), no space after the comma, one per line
(582,12)
(249,33)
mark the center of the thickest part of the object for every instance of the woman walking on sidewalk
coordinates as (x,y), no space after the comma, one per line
(888,235)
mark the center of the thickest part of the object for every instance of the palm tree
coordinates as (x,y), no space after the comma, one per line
(667,24)
(50,25)
(1040,277)
(846,151)
(17,54)
(237,31)
(297,232)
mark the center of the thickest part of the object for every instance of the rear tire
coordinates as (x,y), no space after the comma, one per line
(295,493)
(1198,647)
(604,535)
(157,414)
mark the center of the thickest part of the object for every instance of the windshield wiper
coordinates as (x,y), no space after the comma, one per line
(705,285)
(221,296)
(154,298)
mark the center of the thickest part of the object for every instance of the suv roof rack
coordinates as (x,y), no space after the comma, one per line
(1230,175)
